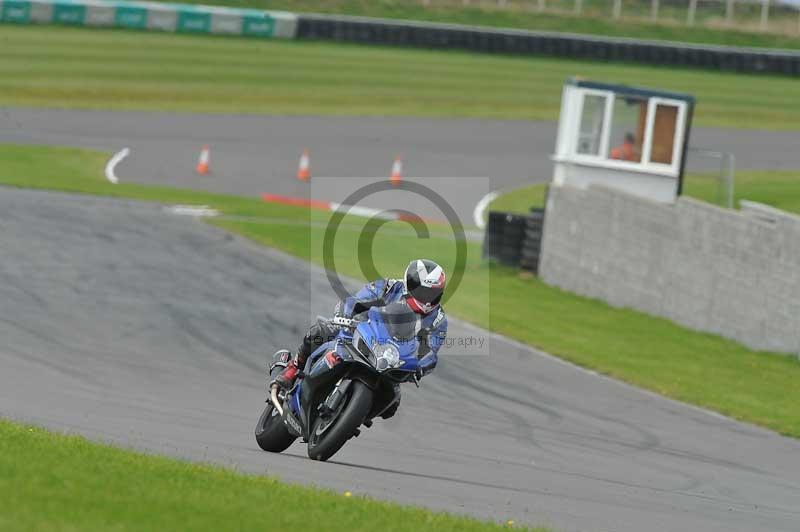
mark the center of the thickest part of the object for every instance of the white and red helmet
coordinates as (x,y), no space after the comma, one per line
(425,282)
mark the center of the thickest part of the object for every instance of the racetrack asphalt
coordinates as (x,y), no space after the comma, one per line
(132,325)
(251,155)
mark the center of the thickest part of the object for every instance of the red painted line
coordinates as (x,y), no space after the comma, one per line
(330,206)
(297,202)
(410,219)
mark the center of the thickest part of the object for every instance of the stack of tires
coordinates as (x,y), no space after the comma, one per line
(514,239)
(532,243)
(493,235)
(503,238)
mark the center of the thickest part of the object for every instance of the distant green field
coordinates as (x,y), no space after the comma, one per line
(650,352)
(110,69)
(53,482)
(777,188)
(595,21)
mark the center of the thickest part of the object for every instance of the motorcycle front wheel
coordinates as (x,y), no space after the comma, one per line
(328,435)
(271,434)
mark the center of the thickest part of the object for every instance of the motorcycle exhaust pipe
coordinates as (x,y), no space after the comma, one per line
(274,396)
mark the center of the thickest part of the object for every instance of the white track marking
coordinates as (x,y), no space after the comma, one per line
(366,212)
(192,210)
(477,214)
(113,162)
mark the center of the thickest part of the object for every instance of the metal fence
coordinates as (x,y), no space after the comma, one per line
(776,16)
(711,176)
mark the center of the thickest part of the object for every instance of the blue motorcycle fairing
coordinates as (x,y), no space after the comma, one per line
(314,366)
(375,332)
(294,402)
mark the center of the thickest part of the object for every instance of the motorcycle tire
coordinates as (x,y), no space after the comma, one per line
(271,434)
(344,426)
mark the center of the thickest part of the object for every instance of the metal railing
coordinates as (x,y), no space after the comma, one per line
(715,166)
(774,16)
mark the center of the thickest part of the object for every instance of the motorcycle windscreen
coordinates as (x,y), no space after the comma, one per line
(400,321)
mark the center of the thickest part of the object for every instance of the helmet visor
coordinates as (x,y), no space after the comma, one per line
(428,295)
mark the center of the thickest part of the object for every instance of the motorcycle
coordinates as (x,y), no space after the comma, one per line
(346,383)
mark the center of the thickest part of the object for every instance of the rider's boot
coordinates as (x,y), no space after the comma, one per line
(287,377)
(312,339)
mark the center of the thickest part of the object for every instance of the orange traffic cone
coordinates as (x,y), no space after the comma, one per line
(203,162)
(304,168)
(397,171)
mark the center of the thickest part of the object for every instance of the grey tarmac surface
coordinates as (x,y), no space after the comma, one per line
(251,155)
(131,325)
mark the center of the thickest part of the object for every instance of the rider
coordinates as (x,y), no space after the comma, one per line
(422,291)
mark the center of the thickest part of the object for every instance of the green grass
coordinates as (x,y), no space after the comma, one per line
(520,200)
(104,69)
(778,188)
(599,21)
(55,482)
(650,352)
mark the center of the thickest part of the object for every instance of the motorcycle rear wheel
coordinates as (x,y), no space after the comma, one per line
(271,433)
(323,446)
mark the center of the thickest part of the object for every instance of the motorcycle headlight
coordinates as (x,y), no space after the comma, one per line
(388,356)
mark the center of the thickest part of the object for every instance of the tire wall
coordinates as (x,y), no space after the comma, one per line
(514,239)
(186,18)
(520,42)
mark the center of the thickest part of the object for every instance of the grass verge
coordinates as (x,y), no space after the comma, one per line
(128,70)
(778,188)
(596,19)
(650,352)
(56,482)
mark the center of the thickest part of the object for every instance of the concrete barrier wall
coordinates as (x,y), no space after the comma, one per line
(736,274)
(151,16)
